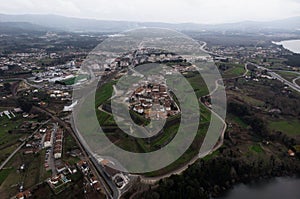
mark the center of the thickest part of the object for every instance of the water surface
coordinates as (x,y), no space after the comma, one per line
(278,188)
(292,45)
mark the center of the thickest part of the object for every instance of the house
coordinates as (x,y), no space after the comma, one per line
(23,195)
(7,113)
(18,110)
(97,186)
(43,130)
(291,153)
(54,180)
(48,140)
(58,144)
(57,153)
(138,109)
(28,151)
(60,168)
(83,166)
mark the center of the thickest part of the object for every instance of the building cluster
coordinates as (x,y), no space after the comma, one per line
(8,113)
(58,181)
(63,95)
(152,55)
(61,178)
(56,73)
(58,144)
(138,57)
(153,101)
(34,145)
(92,180)
(54,139)
(20,61)
(48,139)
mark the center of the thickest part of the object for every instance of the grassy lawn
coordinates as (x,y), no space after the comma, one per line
(171,132)
(256,148)
(34,173)
(187,156)
(129,145)
(7,125)
(69,144)
(290,127)
(5,152)
(104,93)
(211,156)
(198,84)
(237,120)
(248,99)
(235,70)
(9,186)
(4,173)
(105,119)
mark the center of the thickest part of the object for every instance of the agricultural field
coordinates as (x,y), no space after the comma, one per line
(8,125)
(33,173)
(234,70)
(290,126)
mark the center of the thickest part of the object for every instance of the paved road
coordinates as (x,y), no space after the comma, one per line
(278,77)
(110,187)
(203,46)
(25,81)
(51,155)
(12,155)
(294,81)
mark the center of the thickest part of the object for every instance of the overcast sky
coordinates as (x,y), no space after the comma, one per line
(199,11)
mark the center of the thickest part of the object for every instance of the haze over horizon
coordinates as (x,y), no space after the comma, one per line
(170,11)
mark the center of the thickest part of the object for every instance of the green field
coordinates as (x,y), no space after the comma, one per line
(34,172)
(198,84)
(104,93)
(256,148)
(6,125)
(237,120)
(3,174)
(211,156)
(248,99)
(290,127)
(234,70)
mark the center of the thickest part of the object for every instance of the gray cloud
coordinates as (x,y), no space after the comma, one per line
(200,11)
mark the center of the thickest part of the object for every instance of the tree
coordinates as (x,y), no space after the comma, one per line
(25,105)
(7,86)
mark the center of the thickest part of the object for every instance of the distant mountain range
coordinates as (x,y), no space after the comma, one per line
(56,22)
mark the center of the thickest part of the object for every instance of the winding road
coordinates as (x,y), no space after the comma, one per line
(273,74)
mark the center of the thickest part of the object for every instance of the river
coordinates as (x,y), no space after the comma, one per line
(278,188)
(292,45)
